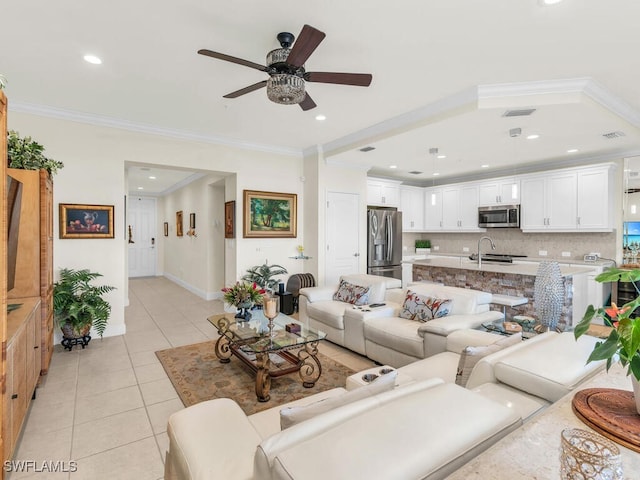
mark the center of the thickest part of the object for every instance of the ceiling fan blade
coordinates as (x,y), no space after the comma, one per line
(248,89)
(307,103)
(307,42)
(229,58)
(356,79)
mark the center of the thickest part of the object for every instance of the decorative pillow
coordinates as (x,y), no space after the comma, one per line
(470,356)
(351,293)
(424,307)
(289,416)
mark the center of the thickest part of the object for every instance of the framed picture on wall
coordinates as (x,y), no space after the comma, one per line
(269,214)
(86,221)
(166,229)
(230,219)
(179,220)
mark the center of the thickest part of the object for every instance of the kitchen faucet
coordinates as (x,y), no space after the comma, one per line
(493,247)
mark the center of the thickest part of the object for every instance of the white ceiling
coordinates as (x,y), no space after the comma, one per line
(444,72)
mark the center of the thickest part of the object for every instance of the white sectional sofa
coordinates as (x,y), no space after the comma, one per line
(380,333)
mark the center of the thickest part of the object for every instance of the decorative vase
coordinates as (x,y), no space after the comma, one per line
(636,391)
(548,294)
(586,455)
(243,311)
(69,332)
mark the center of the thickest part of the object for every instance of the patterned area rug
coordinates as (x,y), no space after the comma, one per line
(197,375)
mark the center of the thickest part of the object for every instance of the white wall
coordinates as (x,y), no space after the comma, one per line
(94,173)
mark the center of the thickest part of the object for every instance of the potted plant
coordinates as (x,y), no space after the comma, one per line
(243,296)
(27,154)
(263,275)
(423,246)
(78,305)
(623,343)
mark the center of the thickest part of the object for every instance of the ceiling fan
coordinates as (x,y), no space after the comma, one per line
(287,75)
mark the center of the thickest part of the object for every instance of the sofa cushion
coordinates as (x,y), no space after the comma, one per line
(352,293)
(377,285)
(465,301)
(424,308)
(396,333)
(290,416)
(470,356)
(328,312)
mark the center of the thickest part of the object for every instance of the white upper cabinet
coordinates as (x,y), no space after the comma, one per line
(502,191)
(412,207)
(595,205)
(433,209)
(383,193)
(459,208)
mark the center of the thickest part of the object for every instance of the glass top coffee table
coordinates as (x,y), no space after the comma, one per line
(268,353)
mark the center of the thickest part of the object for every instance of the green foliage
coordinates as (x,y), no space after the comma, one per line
(263,275)
(270,213)
(623,343)
(243,292)
(423,243)
(28,154)
(77,301)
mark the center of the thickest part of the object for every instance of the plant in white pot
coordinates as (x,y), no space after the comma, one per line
(79,305)
(623,343)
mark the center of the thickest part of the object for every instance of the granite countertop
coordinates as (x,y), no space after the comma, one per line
(517,267)
(533,450)
(569,261)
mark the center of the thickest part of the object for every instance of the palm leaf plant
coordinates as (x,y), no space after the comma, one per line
(263,275)
(79,304)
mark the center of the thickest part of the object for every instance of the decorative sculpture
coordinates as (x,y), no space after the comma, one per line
(548,294)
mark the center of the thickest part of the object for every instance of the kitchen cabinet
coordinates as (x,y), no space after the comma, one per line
(549,202)
(501,191)
(595,207)
(433,209)
(460,208)
(383,193)
(412,207)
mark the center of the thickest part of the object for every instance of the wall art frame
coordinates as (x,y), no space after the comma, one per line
(230,219)
(179,224)
(166,229)
(86,221)
(270,214)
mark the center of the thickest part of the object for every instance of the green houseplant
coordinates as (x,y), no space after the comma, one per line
(27,154)
(78,305)
(263,275)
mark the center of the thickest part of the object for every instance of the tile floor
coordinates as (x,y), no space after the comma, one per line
(106,407)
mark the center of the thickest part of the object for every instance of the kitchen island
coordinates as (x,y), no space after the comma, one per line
(515,279)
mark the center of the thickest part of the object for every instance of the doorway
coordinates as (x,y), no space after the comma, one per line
(343,240)
(141,236)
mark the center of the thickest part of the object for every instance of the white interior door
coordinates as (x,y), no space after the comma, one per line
(141,233)
(343,242)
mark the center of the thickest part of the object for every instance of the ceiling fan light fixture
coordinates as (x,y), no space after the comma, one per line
(285,89)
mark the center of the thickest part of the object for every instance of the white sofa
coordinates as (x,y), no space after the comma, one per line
(426,429)
(381,334)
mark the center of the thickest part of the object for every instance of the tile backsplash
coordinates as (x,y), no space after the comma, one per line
(513,241)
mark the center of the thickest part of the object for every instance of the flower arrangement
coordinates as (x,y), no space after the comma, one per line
(242,293)
(623,343)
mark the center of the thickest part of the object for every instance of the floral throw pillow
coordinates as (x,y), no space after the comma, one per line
(350,293)
(424,307)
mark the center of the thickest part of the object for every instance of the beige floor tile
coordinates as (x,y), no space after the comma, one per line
(158,391)
(179,339)
(110,432)
(64,372)
(353,362)
(140,325)
(150,372)
(144,358)
(99,365)
(57,392)
(39,446)
(138,460)
(162,439)
(93,407)
(159,414)
(89,384)
(46,417)
(145,341)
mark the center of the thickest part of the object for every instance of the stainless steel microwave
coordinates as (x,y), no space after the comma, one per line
(499,216)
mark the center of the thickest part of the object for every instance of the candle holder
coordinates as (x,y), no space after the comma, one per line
(586,455)
(270,309)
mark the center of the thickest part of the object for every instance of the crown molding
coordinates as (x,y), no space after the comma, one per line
(615,104)
(104,121)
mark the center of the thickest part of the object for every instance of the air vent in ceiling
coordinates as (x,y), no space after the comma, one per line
(611,135)
(367,149)
(523,112)
(415,172)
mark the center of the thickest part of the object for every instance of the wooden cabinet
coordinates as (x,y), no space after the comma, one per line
(34,262)
(501,191)
(412,207)
(383,193)
(3,271)
(23,367)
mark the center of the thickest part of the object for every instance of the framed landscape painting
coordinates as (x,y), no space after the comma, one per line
(86,221)
(269,214)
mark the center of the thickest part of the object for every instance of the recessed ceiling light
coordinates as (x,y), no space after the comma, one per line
(572,150)
(393,166)
(152,177)
(484,166)
(436,174)
(321,117)
(140,188)
(549,2)
(92,59)
(533,136)
(441,156)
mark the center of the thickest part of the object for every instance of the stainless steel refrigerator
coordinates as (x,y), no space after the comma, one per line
(384,250)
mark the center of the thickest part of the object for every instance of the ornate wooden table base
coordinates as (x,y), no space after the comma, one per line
(611,412)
